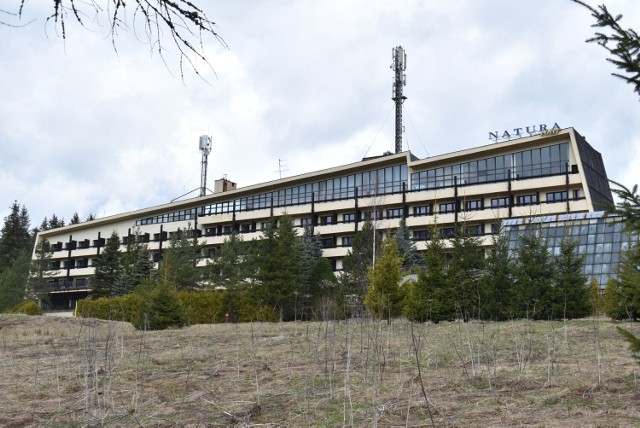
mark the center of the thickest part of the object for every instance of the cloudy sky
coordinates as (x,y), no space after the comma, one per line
(84,129)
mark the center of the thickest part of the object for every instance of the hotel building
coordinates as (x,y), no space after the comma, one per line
(552,173)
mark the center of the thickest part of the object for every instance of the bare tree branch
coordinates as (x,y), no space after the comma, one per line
(179,21)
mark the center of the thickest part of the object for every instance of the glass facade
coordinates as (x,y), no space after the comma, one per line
(536,162)
(600,239)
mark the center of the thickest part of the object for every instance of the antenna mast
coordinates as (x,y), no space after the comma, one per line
(205,148)
(400,80)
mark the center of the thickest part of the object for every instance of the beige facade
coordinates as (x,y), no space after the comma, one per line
(555,173)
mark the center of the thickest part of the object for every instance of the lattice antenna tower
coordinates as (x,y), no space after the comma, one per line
(205,149)
(399,81)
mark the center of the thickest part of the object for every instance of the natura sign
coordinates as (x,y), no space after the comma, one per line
(531,130)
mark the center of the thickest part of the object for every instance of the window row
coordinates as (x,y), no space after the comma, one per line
(528,163)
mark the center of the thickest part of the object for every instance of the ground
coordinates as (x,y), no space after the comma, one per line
(85,372)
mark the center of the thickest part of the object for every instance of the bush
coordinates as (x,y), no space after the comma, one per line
(28,307)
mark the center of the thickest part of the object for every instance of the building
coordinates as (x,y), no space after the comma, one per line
(548,173)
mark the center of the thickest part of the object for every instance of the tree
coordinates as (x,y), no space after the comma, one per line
(136,265)
(181,21)
(623,45)
(465,268)
(384,297)
(75,219)
(426,298)
(628,291)
(497,280)
(279,268)
(533,276)
(15,237)
(570,294)
(411,259)
(356,263)
(229,268)
(108,268)
(318,280)
(13,281)
(40,270)
(180,261)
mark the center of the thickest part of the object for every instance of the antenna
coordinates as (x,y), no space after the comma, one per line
(282,167)
(205,148)
(399,65)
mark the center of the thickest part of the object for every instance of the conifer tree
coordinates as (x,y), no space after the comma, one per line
(180,261)
(533,276)
(13,281)
(40,271)
(384,296)
(428,297)
(108,268)
(463,279)
(15,236)
(629,281)
(75,219)
(279,263)
(136,265)
(229,265)
(411,259)
(570,294)
(497,281)
(356,264)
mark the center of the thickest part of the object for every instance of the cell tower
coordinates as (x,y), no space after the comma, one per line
(400,80)
(205,148)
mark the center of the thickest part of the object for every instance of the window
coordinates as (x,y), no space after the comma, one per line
(422,210)
(473,205)
(347,241)
(227,230)
(305,221)
(372,215)
(447,208)
(556,196)
(349,217)
(576,194)
(326,219)
(394,213)
(500,202)
(327,242)
(245,228)
(421,235)
(265,225)
(447,232)
(527,199)
(495,228)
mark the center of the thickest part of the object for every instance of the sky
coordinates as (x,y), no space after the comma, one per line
(300,86)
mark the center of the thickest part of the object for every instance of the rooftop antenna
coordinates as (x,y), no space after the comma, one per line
(282,167)
(400,80)
(205,149)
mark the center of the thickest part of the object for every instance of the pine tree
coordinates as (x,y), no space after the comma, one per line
(15,237)
(533,277)
(181,259)
(570,294)
(355,266)
(55,222)
(136,265)
(40,271)
(108,268)
(280,269)
(428,298)
(318,281)
(384,296)
(228,267)
(411,259)
(75,219)
(13,281)
(629,281)
(497,281)
(463,279)
(163,308)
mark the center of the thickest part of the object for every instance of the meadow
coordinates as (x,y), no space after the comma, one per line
(59,371)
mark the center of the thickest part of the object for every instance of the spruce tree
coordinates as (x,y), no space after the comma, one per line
(108,268)
(411,259)
(136,265)
(228,267)
(40,271)
(280,269)
(463,279)
(75,219)
(181,261)
(570,293)
(384,296)
(15,236)
(355,266)
(496,282)
(533,277)
(629,281)
(13,281)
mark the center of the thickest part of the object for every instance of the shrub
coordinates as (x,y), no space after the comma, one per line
(28,307)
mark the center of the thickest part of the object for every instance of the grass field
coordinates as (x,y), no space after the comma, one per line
(84,372)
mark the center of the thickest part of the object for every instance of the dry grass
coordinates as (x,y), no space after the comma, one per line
(81,372)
